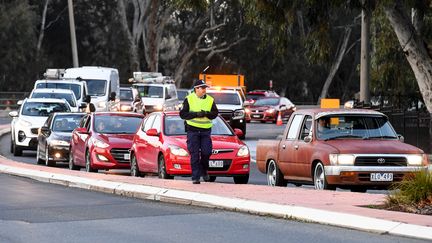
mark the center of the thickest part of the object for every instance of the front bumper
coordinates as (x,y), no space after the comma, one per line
(360,175)
(179,165)
(26,137)
(116,158)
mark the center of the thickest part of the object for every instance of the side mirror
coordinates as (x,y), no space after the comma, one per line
(167,97)
(13,113)
(282,107)
(45,130)
(20,102)
(152,132)
(83,105)
(87,99)
(239,133)
(401,138)
(81,130)
(112,96)
(246,103)
(307,139)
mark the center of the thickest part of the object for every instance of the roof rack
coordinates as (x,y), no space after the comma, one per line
(54,73)
(150,77)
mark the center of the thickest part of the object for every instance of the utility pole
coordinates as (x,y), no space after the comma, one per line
(72,34)
(365,54)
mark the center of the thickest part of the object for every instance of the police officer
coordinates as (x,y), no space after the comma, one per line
(198,111)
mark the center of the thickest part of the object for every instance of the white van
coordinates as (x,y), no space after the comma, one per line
(103,85)
(54,80)
(158,93)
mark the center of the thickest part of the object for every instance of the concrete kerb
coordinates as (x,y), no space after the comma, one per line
(232,204)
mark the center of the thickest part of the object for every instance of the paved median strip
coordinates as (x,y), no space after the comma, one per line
(233,204)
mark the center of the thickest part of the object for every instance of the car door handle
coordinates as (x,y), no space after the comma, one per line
(296,147)
(283,146)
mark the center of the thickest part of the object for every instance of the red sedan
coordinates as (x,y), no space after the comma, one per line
(103,140)
(160,147)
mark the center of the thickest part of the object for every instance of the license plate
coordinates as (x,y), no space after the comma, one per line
(381,176)
(126,156)
(216,163)
(256,116)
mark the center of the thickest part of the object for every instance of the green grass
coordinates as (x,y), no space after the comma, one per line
(412,192)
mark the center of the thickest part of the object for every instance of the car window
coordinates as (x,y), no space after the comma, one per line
(126,95)
(43,108)
(88,122)
(148,123)
(96,87)
(294,127)
(226,98)
(150,91)
(66,123)
(76,88)
(48,121)
(268,101)
(83,121)
(182,94)
(68,97)
(306,127)
(116,124)
(174,126)
(157,123)
(172,91)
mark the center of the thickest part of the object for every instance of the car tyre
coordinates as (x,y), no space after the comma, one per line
(134,170)
(319,177)
(162,169)
(274,175)
(11,145)
(88,163)
(38,158)
(72,165)
(17,151)
(48,162)
(241,179)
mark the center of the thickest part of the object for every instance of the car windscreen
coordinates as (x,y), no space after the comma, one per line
(181,94)
(76,88)
(354,126)
(174,126)
(68,97)
(150,91)
(96,87)
(66,123)
(226,98)
(254,96)
(126,95)
(43,108)
(267,102)
(116,124)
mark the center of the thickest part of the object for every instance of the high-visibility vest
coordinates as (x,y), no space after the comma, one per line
(197,104)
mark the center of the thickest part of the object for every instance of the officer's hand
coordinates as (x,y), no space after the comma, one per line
(200,113)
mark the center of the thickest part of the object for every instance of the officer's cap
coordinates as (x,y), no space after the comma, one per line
(200,83)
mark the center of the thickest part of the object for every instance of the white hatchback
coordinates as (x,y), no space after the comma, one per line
(30,117)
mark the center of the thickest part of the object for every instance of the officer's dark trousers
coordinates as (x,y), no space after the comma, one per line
(200,148)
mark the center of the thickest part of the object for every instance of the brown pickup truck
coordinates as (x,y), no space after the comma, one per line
(347,148)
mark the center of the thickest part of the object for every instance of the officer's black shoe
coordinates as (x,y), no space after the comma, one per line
(196,182)
(206,178)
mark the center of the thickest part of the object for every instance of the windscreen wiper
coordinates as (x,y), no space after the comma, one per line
(381,137)
(343,136)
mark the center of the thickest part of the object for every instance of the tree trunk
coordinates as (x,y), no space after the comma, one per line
(335,65)
(42,31)
(133,46)
(414,49)
(180,68)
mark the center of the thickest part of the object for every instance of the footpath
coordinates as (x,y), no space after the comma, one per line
(344,209)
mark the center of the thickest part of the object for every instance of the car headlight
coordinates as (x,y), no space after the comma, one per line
(98,143)
(270,110)
(101,104)
(414,159)
(341,159)
(125,107)
(158,107)
(239,114)
(177,151)
(59,142)
(243,151)
(24,123)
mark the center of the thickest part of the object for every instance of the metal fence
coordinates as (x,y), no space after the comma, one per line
(414,126)
(8,100)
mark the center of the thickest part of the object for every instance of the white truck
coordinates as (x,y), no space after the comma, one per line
(158,93)
(103,85)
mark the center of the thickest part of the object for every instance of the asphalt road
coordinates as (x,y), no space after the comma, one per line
(31,211)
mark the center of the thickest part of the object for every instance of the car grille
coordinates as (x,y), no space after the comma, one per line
(34,130)
(226,166)
(221,151)
(119,155)
(380,161)
(226,114)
